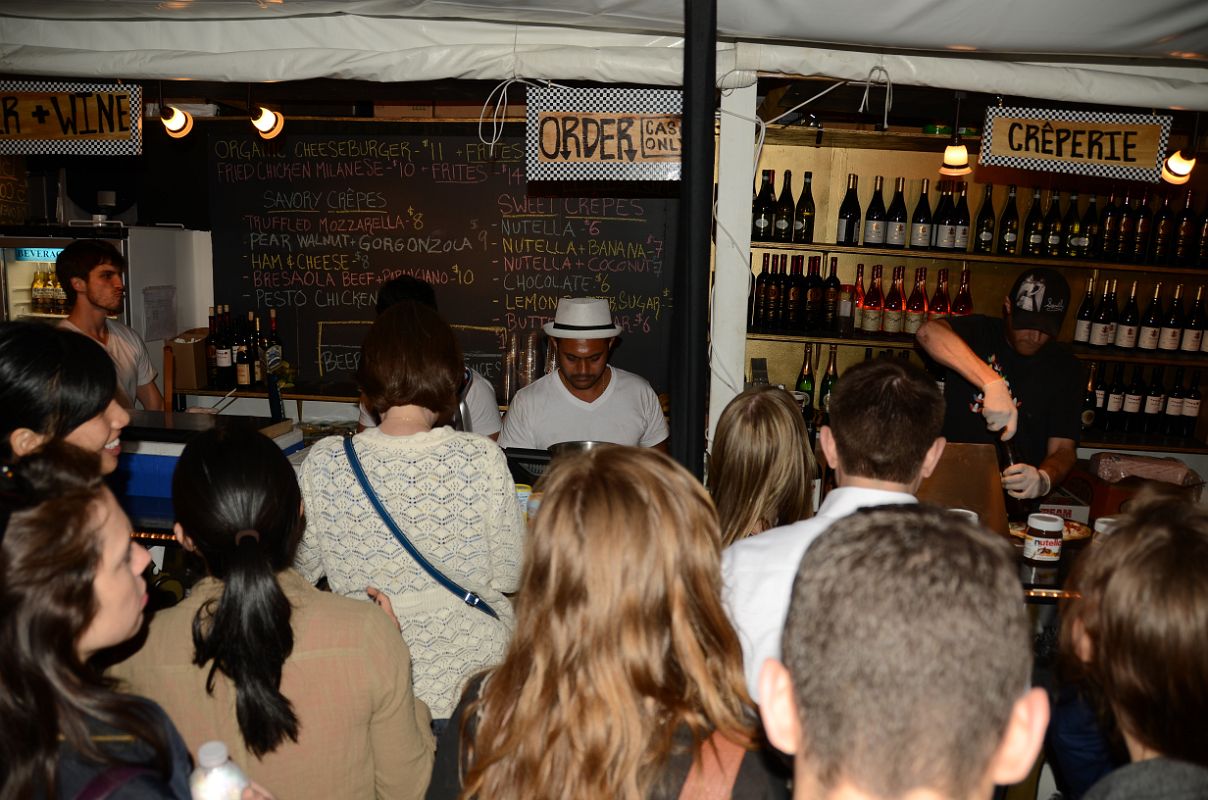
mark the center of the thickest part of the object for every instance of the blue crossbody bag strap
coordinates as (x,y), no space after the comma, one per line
(463,594)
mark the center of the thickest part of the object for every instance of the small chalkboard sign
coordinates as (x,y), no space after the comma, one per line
(312,224)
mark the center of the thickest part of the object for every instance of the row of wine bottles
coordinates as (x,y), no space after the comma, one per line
(1126,229)
(1140,407)
(1162,327)
(239,355)
(46,295)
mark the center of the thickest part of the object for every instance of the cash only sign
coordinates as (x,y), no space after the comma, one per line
(603,134)
(70,118)
(1119,146)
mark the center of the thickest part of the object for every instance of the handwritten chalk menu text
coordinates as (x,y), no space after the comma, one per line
(313,225)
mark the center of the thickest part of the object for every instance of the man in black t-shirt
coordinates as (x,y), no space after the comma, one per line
(1010,375)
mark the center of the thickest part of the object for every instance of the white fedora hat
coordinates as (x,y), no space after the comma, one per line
(582,318)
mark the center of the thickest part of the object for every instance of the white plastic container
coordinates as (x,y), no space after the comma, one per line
(216,776)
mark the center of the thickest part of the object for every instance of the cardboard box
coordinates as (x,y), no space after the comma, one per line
(1065,505)
(189,355)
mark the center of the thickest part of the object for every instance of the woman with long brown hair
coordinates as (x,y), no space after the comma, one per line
(623,670)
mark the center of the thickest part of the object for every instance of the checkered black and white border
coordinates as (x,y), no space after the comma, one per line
(130,146)
(1147,172)
(597,101)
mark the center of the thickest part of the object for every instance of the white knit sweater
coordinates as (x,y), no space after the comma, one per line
(453,496)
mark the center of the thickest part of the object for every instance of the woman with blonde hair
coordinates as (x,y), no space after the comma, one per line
(761,465)
(623,672)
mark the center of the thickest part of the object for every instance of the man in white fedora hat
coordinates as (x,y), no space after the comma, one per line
(584,399)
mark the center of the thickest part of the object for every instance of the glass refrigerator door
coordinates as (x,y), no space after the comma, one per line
(30,286)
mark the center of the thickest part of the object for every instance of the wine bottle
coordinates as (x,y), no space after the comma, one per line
(895,304)
(857,300)
(896,222)
(796,302)
(1088,400)
(831,289)
(1054,227)
(1008,226)
(1113,419)
(1162,240)
(763,211)
(256,352)
(1091,235)
(944,220)
(983,240)
(775,299)
(212,350)
(848,231)
(803,215)
(940,306)
(1155,403)
(782,215)
(243,363)
(814,296)
(1183,250)
(960,219)
(1033,228)
(874,304)
(1101,396)
(1105,318)
(920,221)
(1172,420)
(1193,328)
(1072,243)
(274,351)
(1191,406)
(1115,306)
(916,305)
(1151,322)
(223,357)
(874,217)
(1128,231)
(1201,247)
(1109,229)
(1172,323)
(1142,230)
(1134,398)
(1086,314)
(1129,323)
(828,384)
(759,314)
(962,306)
(805,382)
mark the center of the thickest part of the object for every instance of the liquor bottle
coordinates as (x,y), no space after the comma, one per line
(212,351)
(1086,314)
(1054,226)
(896,221)
(1162,240)
(1134,398)
(36,289)
(764,210)
(1129,323)
(1183,249)
(1172,420)
(831,289)
(1115,306)
(1193,327)
(1008,226)
(814,296)
(1191,406)
(257,352)
(57,295)
(857,300)
(795,308)
(1113,419)
(874,217)
(1072,243)
(1172,322)
(916,305)
(1091,235)
(920,220)
(1109,229)
(759,313)
(1201,247)
(274,352)
(223,357)
(1101,396)
(1151,322)
(940,306)
(944,221)
(1033,228)
(782,213)
(960,219)
(243,363)
(983,239)
(895,304)
(1105,318)
(874,304)
(1127,231)
(803,215)
(828,384)
(1142,230)
(848,231)
(1089,401)
(805,382)
(962,306)
(1155,403)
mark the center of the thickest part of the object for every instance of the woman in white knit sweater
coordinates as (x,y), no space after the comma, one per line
(449,492)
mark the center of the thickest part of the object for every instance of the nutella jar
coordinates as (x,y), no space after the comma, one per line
(1042,540)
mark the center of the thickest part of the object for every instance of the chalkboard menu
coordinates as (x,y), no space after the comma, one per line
(312,224)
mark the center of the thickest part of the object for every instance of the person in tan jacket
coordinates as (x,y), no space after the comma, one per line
(310,691)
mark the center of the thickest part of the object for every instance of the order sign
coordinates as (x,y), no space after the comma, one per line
(1118,146)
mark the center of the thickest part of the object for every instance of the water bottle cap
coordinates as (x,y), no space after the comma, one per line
(212,754)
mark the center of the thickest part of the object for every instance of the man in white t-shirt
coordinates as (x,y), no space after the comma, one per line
(584,399)
(91,273)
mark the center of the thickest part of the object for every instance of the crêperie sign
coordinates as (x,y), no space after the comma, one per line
(312,224)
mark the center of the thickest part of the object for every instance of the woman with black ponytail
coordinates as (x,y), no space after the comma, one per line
(311,691)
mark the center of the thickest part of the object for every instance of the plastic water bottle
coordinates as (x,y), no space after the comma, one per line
(216,776)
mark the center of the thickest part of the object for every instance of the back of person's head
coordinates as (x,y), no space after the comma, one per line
(51,381)
(908,657)
(1141,624)
(761,465)
(51,512)
(884,415)
(620,639)
(237,500)
(80,258)
(404,288)
(410,357)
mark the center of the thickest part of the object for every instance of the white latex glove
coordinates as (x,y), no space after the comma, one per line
(1025,481)
(998,407)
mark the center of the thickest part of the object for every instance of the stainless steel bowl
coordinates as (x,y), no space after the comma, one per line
(565,448)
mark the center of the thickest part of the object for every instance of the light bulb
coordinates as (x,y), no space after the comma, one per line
(1177,169)
(177,122)
(268,122)
(956,160)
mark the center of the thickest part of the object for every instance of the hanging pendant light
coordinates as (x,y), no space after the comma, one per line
(1177,168)
(268,123)
(177,122)
(956,155)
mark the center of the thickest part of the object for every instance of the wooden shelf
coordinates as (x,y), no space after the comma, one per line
(1163,357)
(903,342)
(1141,443)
